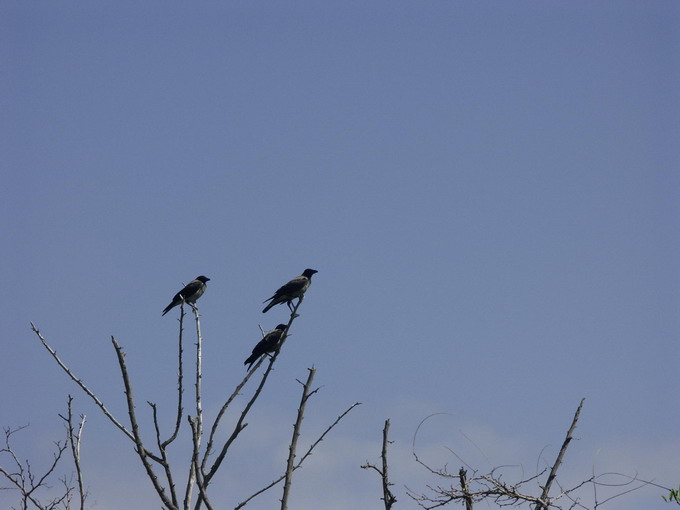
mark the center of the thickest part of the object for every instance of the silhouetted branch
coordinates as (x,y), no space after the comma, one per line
(306,393)
(165,462)
(24,480)
(302,459)
(74,440)
(388,498)
(180,378)
(197,422)
(465,489)
(544,501)
(240,424)
(82,385)
(193,423)
(492,487)
(143,454)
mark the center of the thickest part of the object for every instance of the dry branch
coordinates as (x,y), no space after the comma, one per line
(180,378)
(74,440)
(240,424)
(140,449)
(28,484)
(302,459)
(388,498)
(306,393)
(544,500)
(82,385)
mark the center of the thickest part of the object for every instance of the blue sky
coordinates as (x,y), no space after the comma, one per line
(489,191)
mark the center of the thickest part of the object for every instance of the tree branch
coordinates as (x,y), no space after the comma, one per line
(80,383)
(544,501)
(240,424)
(193,423)
(74,441)
(165,462)
(141,450)
(388,498)
(196,423)
(302,459)
(296,434)
(180,378)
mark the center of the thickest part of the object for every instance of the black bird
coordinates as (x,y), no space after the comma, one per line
(190,293)
(291,290)
(270,343)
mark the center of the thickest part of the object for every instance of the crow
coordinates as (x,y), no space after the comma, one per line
(190,293)
(270,343)
(291,290)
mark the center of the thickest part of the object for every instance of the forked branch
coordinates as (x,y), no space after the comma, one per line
(388,497)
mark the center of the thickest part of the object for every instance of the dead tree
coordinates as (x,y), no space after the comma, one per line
(36,490)
(208,453)
(495,487)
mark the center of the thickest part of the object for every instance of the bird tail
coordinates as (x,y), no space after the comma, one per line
(167,309)
(252,359)
(266,308)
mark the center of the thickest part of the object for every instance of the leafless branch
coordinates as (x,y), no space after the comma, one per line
(388,498)
(180,378)
(236,392)
(144,455)
(493,487)
(197,422)
(26,482)
(302,459)
(82,385)
(240,424)
(465,489)
(74,440)
(544,501)
(193,423)
(162,448)
(306,393)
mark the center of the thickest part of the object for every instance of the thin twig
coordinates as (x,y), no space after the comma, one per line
(193,475)
(163,454)
(388,498)
(225,406)
(82,385)
(141,450)
(193,423)
(544,502)
(74,441)
(302,459)
(26,482)
(180,377)
(296,434)
(240,424)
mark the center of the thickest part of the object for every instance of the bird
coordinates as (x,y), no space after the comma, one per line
(291,290)
(190,293)
(270,343)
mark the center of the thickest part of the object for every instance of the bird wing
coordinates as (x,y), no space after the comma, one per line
(190,289)
(295,285)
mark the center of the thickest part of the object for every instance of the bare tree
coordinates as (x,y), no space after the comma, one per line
(208,453)
(34,489)
(494,486)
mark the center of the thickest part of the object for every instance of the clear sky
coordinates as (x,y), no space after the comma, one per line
(489,191)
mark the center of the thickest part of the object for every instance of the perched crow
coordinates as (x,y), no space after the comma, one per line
(291,290)
(269,343)
(190,293)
